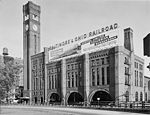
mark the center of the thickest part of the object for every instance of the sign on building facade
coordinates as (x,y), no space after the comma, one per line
(99,39)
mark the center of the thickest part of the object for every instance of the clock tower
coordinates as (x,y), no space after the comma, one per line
(31,39)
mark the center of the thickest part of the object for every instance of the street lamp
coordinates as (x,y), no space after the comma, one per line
(98,99)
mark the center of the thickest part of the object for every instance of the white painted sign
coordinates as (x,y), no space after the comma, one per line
(96,40)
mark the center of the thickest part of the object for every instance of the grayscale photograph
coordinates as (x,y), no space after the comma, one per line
(74,57)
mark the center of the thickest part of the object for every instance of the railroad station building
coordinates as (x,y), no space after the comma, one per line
(97,66)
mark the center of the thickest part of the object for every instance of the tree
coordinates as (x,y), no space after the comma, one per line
(9,72)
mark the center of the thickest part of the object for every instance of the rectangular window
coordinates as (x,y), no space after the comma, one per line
(135,77)
(108,75)
(140,66)
(37,84)
(127,80)
(76,75)
(40,83)
(49,82)
(34,83)
(103,77)
(141,79)
(68,67)
(72,66)
(52,81)
(102,61)
(55,81)
(97,62)
(107,59)
(72,79)
(76,67)
(98,77)
(68,80)
(93,77)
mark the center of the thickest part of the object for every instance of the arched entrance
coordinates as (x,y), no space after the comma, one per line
(75,99)
(100,98)
(35,100)
(54,98)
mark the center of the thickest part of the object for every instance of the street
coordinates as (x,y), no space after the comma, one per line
(32,110)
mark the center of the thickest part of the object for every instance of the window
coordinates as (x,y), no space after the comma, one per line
(145,96)
(140,66)
(103,77)
(68,67)
(72,66)
(52,81)
(49,82)
(55,81)
(58,69)
(107,59)
(72,79)
(34,85)
(68,80)
(98,77)
(141,96)
(127,80)
(126,70)
(108,75)
(136,96)
(93,77)
(93,63)
(127,96)
(97,62)
(76,67)
(40,83)
(37,84)
(135,78)
(149,85)
(141,79)
(102,60)
(136,65)
(79,74)
(76,75)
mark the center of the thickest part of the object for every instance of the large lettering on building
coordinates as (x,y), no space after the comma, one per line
(98,39)
(100,42)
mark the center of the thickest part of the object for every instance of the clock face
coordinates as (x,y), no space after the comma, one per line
(34,27)
(27,27)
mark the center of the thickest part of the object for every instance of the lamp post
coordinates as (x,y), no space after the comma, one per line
(98,99)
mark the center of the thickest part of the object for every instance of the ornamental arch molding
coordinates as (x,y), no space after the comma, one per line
(96,91)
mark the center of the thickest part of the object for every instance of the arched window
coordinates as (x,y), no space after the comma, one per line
(127,96)
(136,96)
(141,96)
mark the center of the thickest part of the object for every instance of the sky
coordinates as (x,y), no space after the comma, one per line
(65,19)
